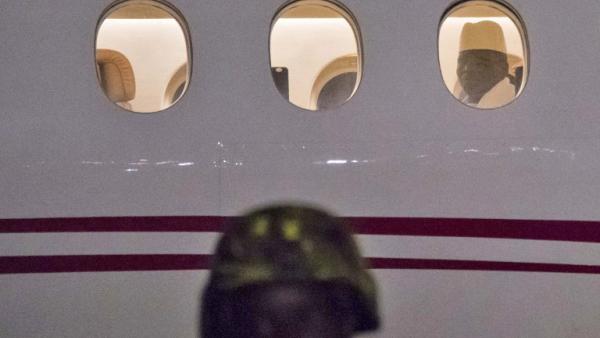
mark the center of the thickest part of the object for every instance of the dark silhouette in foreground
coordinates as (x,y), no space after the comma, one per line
(292,272)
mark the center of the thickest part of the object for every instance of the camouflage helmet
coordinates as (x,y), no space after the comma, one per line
(289,244)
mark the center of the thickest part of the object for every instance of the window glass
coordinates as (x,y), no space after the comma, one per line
(143,55)
(483,54)
(316,56)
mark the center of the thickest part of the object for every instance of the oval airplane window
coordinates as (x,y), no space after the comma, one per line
(143,55)
(316,55)
(483,54)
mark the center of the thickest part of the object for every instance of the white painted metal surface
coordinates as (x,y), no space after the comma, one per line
(403,146)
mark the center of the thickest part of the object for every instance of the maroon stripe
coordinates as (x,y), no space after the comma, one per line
(440,264)
(53,264)
(577,231)
(103,263)
(116,224)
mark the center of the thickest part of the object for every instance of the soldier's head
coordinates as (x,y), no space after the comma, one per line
(292,272)
(482,61)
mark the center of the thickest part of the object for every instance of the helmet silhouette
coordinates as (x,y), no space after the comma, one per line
(289,244)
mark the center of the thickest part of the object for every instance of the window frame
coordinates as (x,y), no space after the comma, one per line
(176,14)
(513,14)
(349,16)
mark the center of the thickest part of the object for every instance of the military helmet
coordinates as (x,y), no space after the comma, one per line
(290,244)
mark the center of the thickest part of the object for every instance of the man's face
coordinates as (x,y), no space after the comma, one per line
(480,70)
(290,311)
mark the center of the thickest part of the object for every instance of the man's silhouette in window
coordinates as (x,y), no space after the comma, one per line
(483,70)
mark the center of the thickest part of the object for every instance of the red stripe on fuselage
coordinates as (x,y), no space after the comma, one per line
(575,231)
(106,263)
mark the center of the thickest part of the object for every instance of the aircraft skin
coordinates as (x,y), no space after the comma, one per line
(411,167)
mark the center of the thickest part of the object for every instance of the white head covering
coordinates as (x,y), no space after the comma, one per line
(482,35)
